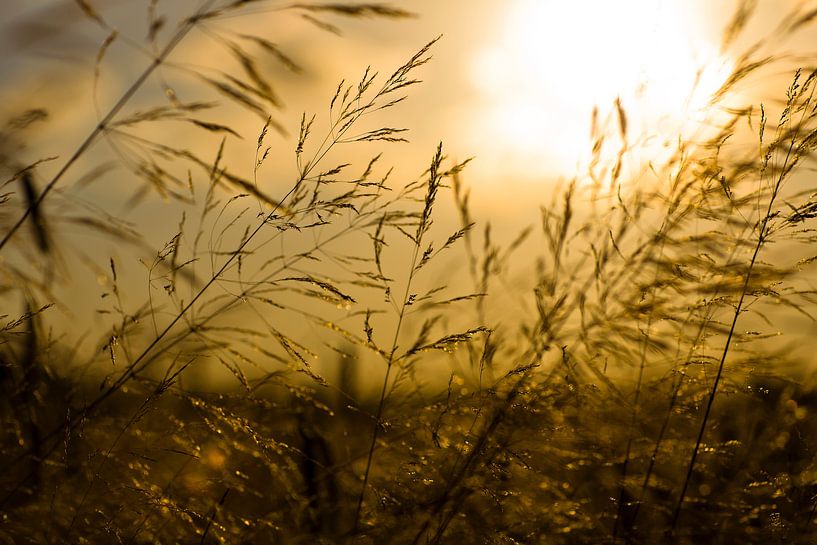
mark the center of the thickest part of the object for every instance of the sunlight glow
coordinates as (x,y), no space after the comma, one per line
(553,61)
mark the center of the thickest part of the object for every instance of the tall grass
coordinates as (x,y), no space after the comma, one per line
(301,362)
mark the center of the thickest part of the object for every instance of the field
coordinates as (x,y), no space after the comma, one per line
(350,354)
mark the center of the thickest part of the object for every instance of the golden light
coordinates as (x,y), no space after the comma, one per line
(553,61)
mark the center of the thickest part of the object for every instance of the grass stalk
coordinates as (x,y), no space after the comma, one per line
(434,178)
(761,239)
(105,122)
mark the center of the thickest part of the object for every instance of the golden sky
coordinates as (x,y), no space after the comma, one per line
(513,83)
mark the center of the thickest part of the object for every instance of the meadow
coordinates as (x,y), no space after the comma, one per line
(350,355)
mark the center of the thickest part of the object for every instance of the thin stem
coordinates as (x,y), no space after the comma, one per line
(434,177)
(711,399)
(103,124)
(761,239)
(637,399)
(382,402)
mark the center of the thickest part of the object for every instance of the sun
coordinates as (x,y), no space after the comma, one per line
(553,61)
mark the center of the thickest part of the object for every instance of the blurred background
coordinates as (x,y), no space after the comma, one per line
(516,84)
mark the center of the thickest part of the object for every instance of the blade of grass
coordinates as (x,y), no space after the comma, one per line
(103,124)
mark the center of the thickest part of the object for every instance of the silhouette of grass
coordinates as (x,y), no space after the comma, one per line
(306,365)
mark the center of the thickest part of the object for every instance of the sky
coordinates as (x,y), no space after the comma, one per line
(512,83)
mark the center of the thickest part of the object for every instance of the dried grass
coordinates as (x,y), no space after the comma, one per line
(641,393)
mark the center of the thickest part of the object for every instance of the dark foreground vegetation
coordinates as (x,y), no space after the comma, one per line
(640,386)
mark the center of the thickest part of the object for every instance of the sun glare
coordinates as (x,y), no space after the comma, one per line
(554,61)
